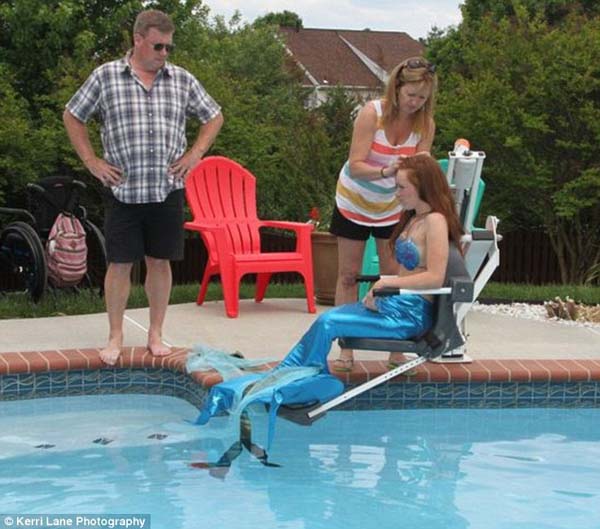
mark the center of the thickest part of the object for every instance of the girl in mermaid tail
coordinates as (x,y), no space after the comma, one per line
(420,244)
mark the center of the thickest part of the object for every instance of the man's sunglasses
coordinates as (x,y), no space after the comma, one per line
(417,64)
(159,46)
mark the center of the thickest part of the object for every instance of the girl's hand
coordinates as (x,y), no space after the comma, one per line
(369,301)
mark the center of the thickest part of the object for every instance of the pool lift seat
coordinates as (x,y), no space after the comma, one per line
(451,304)
(463,173)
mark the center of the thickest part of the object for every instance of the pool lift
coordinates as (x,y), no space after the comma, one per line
(465,279)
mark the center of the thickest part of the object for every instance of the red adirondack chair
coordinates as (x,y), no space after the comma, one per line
(222,197)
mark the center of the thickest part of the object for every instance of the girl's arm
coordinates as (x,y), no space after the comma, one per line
(436,244)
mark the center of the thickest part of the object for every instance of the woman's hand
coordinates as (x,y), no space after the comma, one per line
(391,170)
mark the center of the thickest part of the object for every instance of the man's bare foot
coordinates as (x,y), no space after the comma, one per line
(157,347)
(110,354)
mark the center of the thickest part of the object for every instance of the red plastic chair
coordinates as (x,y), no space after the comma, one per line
(222,196)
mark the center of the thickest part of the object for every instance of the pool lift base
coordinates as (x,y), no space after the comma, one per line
(306,415)
(318,412)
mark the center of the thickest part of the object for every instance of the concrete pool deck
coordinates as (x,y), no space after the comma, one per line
(509,354)
(270,328)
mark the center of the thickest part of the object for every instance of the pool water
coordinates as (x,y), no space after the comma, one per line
(441,468)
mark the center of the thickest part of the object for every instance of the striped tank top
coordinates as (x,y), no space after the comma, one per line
(373,202)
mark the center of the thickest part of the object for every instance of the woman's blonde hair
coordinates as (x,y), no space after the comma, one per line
(414,70)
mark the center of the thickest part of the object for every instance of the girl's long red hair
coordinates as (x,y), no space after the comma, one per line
(426,175)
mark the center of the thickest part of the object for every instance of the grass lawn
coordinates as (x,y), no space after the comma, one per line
(65,302)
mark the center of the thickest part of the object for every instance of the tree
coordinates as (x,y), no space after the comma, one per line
(244,67)
(528,94)
(47,49)
(551,11)
(16,145)
(281,18)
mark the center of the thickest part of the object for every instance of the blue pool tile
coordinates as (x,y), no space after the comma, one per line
(154,377)
(461,392)
(179,379)
(493,403)
(586,390)
(42,382)
(442,402)
(556,391)
(26,383)
(587,404)
(412,391)
(445,391)
(385,392)
(477,391)
(106,379)
(492,392)
(75,381)
(524,391)
(9,384)
(429,392)
(541,390)
(397,396)
(138,378)
(58,380)
(508,390)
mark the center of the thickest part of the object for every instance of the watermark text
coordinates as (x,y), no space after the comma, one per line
(75,521)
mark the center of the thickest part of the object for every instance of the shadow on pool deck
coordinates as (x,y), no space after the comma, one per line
(270,328)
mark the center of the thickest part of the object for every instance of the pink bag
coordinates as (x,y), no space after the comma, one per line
(66,251)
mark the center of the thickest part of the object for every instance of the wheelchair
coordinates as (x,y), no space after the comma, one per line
(22,242)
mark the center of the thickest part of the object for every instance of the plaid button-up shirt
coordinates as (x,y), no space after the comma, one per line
(143,131)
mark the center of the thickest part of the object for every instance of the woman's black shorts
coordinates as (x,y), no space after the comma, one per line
(343,227)
(133,231)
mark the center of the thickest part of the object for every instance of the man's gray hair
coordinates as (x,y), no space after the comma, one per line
(153,18)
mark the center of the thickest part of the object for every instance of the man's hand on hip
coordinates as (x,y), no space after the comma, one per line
(181,168)
(108,174)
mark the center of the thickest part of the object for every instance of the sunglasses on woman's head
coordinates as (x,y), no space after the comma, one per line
(159,46)
(417,64)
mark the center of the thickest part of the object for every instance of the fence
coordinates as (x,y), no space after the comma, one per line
(525,257)
(190,270)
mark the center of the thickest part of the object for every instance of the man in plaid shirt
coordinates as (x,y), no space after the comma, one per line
(143,103)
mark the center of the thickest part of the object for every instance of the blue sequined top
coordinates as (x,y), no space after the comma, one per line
(407,253)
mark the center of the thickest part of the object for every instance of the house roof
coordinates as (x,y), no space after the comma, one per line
(328,57)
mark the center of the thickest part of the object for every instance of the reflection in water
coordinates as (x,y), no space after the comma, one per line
(417,469)
(434,469)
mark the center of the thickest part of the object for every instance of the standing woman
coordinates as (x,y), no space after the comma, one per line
(401,124)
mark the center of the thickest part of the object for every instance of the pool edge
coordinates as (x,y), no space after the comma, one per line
(486,370)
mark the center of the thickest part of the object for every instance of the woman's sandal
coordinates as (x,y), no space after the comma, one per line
(343,365)
(393,365)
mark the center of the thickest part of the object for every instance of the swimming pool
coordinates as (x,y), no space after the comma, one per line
(418,468)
